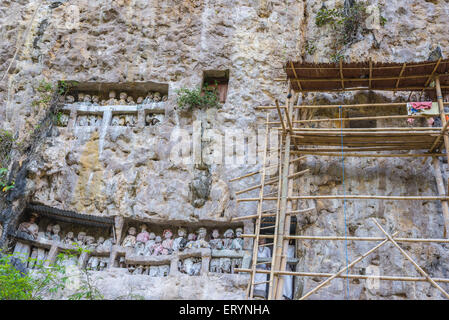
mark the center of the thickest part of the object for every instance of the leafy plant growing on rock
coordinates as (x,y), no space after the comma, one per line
(45,93)
(18,283)
(189,99)
(5,186)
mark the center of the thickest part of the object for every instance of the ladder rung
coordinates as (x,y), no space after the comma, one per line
(262,262)
(268,227)
(265,244)
(256,283)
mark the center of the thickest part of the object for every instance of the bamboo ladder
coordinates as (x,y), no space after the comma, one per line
(252,283)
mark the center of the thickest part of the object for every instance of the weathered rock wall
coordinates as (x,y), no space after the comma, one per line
(173,42)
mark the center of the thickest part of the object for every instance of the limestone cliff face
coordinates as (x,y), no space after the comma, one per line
(128,171)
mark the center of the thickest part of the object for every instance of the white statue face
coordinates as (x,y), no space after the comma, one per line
(168,234)
(56,228)
(81,236)
(123,95)
(215,233)
(158,239)
(181,232)
(132,231)
(152,236)
(112,94)
(100,240)
(191,237)
(69,235)
(238,233)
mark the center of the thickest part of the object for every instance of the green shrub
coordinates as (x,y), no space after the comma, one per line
(189,99)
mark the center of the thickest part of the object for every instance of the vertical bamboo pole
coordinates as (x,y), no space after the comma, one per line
(435,162)
(442,114)
(272,288)
(250,291)
(283,205)
(283,262)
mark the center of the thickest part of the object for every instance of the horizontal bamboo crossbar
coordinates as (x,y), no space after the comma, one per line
(338,238)
(351,276)
(373,155)
(333,106)
(353,197)
(254,216)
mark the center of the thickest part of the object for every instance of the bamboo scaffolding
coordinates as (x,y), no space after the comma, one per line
(338,238)
(363,256)
(351,276)
(354,197)
(411,260)
(372,155)
(251,284)
(356,141)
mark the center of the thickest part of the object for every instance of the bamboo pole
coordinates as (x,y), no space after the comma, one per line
(256,172)
(337,238)
(351,276)
(411,260)
(270,215)
(280,116)
(278,246)
(355,197)
(437,140)
(442,113)
(330,106)
(363,256)
(441,192)
(372,155)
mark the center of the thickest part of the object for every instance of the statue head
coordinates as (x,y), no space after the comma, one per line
(238,232)
(49,228)
(87,98)
(191,237)
(215,234)
(95,99)
(143,227)
(123,95)
(139,100)
(182,232)
(69,99)
(81,236)
(158,239)
(152,236)
(56,228)
(157,97)
(100,240)
(229,233)
(81,96)
(112,94)
(130,99)
(69,235)
(167,234)
(132,231)
(201,233)
(90,240)
(33,218)
(165,98)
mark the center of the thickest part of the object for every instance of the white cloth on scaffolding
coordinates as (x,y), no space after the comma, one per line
(262,252)
(288,280)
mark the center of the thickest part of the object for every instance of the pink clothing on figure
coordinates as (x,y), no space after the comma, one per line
(143,237)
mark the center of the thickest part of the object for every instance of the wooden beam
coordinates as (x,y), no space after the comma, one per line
(370,72)
(280,116)
(341,75)
(400,75)
(296,76)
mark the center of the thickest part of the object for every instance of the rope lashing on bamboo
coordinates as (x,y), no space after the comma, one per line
(344,201)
